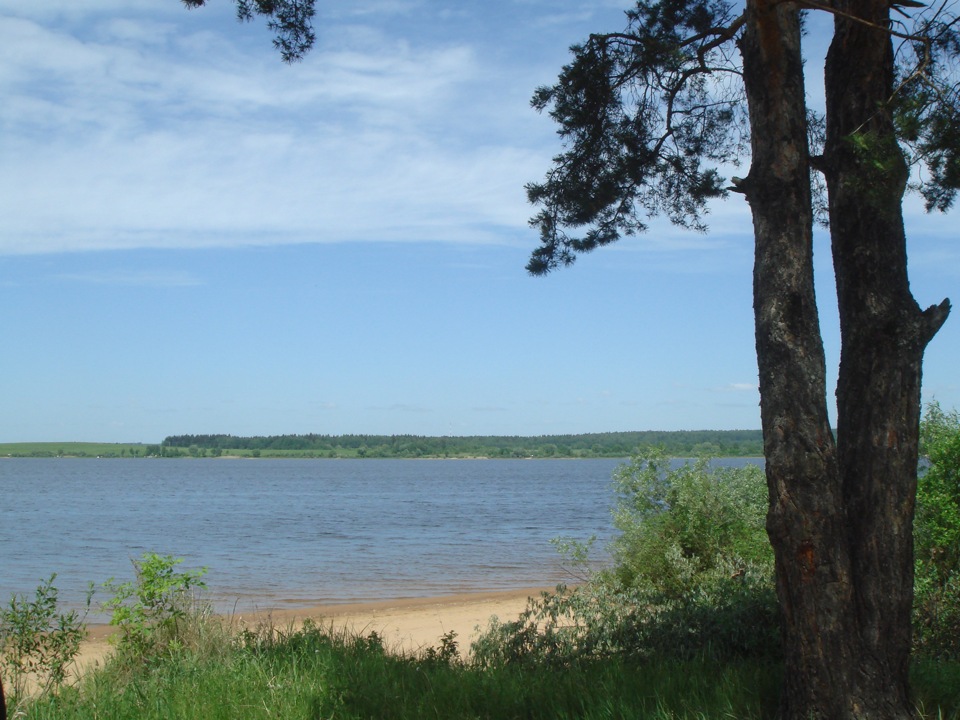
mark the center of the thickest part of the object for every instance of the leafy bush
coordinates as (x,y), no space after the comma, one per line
(937,536)
(687,528)
(39,640)
(447,653)
(595,621)
(692,576)
(153,610)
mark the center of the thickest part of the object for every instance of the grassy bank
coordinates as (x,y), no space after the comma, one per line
(316,674)
(321,673)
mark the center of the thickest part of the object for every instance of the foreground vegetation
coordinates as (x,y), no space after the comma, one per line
(317,672)
(682,624)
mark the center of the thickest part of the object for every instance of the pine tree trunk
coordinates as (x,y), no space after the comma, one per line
(806,521)
(884,334)
(840,517)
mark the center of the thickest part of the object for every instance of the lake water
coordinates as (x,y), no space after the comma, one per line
(299,532)
(293,533)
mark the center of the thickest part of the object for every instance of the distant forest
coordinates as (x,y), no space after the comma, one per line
(682,443)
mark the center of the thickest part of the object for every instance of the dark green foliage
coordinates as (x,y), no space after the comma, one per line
(683,443)
(927,106)
(936,687)
(447,653)
(290,21)
(937,537)
(639,113)
(646,117)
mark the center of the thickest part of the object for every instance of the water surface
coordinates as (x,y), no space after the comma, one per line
(300,532)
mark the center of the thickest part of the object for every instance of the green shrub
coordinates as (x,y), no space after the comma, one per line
(684,529)
(39,640)
(937,537)
(691,576)
(446,653)
(153,610)
(596,620)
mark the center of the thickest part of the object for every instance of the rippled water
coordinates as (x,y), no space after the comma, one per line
(300,532)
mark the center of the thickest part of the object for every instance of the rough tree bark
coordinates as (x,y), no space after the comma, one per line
(840,517)
(806,522)
(883,337)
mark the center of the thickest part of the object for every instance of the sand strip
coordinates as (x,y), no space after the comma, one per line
(407,624)
(412,624)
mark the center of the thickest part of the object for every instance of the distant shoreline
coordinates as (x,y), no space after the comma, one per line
(316,457)
(675,443)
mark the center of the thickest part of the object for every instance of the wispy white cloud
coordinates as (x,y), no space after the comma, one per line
(184,141)
(124,127)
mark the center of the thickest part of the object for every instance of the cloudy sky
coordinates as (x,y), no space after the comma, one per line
(197,238)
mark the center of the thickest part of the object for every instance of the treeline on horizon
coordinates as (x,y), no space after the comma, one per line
(679,443)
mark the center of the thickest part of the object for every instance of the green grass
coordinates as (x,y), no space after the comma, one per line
(936,687)
(318,673)
(70,449)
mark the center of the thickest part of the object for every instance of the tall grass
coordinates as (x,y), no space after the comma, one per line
(215,673)
(320,672)
(936,687)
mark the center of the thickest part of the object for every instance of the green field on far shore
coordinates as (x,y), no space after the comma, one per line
(72,449)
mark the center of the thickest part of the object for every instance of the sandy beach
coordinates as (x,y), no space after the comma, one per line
(412,624)
(407,625)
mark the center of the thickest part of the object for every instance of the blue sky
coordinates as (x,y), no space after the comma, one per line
(197,238)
